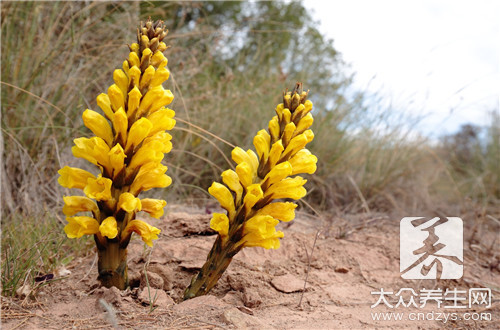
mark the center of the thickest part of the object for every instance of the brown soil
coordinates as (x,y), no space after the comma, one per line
(261,288)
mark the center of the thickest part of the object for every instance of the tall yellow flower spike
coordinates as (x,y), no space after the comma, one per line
(128,147)
(249,194)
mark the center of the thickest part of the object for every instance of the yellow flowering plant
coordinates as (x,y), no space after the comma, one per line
(129,144)
(249,195)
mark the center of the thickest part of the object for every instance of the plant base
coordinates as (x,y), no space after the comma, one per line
(112,266)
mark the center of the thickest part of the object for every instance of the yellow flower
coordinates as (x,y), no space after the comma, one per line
(116,159)
(245,174)
(94,150)
(98,125)
(148,152)
(153,206)
(224,196)
(287,188)
(151,175)
(72,177)
(260,231)
(98,189)
(253,195)
(120,124)
(75,204)
(279,210)
(262,143)
(303,162)
(147,232)
(162,120)
(134,99)
(138,132)
(105,104)
(220,223)
(116,97)
(239,156)
(230,179)
(277,173)
(129,203)
(275,153)
(109,227)
(79,226)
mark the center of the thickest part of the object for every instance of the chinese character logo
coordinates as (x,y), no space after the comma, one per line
(431,248)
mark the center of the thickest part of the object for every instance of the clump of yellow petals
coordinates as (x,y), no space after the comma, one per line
(128,147)
(256,195)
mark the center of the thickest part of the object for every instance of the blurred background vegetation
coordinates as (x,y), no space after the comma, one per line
(229,63)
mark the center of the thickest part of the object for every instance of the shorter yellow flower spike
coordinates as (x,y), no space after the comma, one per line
(260,231)
(116,97)
(75,204)
(287,188)
(116,159)
(153,206)
(72,177)
(109,227)
(129,203)
(98,125)
(279,210)
(79,226)
(220,223)
(150,176)
(162,120)
(147,232)
(230,179)
(98,189)
(253,195)
(303,162)
(138,132)
(224,196)
(105,104)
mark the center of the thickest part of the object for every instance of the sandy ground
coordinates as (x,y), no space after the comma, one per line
(261,289)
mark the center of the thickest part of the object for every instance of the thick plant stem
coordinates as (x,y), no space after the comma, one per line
(112,266)
(218,260)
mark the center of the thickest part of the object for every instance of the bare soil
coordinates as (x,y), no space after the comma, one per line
(353,256)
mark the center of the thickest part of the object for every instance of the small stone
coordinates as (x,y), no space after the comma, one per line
(243,321)
(165,273)
(251,299)
(287,283)
(111,296)
(342,270)
(153,280)
(198,305)
(157,297)
(24,290)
